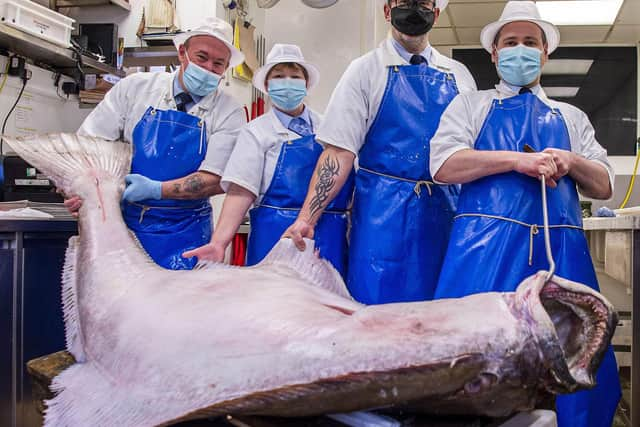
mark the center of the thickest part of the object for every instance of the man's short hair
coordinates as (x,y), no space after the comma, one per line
(497,37)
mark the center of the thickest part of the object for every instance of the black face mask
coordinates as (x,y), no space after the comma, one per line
(412,21)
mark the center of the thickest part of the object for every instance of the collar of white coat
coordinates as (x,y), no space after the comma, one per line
(279,128)
(205,104)
(391,57)
(505,90)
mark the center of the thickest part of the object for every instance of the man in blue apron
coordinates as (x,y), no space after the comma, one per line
(183,130)
(271,166)
(496,239)
(385,109)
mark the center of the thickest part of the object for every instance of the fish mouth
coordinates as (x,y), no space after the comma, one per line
(573,324)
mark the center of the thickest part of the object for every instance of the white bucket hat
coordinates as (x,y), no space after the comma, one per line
(214,27)
(285,53)
(520,10)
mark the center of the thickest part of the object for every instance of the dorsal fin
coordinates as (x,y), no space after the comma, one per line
(312,268)
(73,332)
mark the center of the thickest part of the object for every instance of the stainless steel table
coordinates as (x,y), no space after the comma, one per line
(630,226)
(31,325)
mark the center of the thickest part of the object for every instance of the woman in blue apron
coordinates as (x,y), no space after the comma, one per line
(167,117)
(497,240)
(271,167)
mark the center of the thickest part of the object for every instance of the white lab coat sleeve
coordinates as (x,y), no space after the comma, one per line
(465,81)
(108,117)
(221,141)
(345,120)
(587,145)
(454,133)
(246,163)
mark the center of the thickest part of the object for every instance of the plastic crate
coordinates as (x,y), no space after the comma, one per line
(37,20)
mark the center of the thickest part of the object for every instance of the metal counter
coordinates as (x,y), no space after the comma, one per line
(630,226)
(31,324)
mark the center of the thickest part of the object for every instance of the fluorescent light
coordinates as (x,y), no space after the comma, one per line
(567,66)
(561,91)
(580,12)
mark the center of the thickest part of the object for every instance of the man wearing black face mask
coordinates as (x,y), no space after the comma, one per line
(385,110)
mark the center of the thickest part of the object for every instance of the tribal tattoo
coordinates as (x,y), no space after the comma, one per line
(326,181)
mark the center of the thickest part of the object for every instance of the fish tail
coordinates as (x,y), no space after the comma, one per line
(86,396)
(65,156)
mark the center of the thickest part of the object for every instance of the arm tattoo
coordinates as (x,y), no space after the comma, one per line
(176,188)
(326,181)
(193,184)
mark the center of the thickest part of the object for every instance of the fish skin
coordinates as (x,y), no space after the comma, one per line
(284,338)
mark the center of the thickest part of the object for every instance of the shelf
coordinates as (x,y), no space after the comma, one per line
(150,56)
(42,52)
(56,4)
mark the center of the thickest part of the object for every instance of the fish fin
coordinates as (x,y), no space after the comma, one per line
(85,396)
(319,272)
(212,265)
(73,333)
(64,156)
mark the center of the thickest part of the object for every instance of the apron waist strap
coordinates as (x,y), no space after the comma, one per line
(332,211)
(533,228)
(145,208)
(418,183)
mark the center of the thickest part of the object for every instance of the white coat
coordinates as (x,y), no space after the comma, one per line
(463,119)
(125,104)
(256,153)
(356,99)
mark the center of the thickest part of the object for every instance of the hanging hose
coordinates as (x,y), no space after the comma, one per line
(633,177)
(547,238)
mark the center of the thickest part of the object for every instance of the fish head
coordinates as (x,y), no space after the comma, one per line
(573,325)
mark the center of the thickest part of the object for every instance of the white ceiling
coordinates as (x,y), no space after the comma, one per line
(462,20)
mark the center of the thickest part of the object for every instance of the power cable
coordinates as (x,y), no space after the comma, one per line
(6,118)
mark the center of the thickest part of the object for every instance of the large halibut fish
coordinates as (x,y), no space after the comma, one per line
(284,337)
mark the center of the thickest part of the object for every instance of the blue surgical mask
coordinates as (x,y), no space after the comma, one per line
(287,94)
(199,81)
(519,65)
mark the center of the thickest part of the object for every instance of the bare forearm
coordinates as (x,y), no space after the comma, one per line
(235,207)
(197,185)
(592,178)
(468,165)
(331,172)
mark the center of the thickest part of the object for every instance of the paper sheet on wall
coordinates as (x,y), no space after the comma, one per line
(243,40)
(23,117)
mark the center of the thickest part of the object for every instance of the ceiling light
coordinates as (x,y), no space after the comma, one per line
(561,91)
(567,67)
(580,12)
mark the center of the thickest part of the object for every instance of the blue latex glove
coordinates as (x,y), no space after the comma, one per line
(605,211)
(141,188)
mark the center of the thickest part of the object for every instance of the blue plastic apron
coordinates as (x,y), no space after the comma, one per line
(281,204)
(497,238)
(169,145)
(401,220)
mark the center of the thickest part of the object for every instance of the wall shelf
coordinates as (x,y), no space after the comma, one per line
(42,52)
(150,56)
(56,4)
